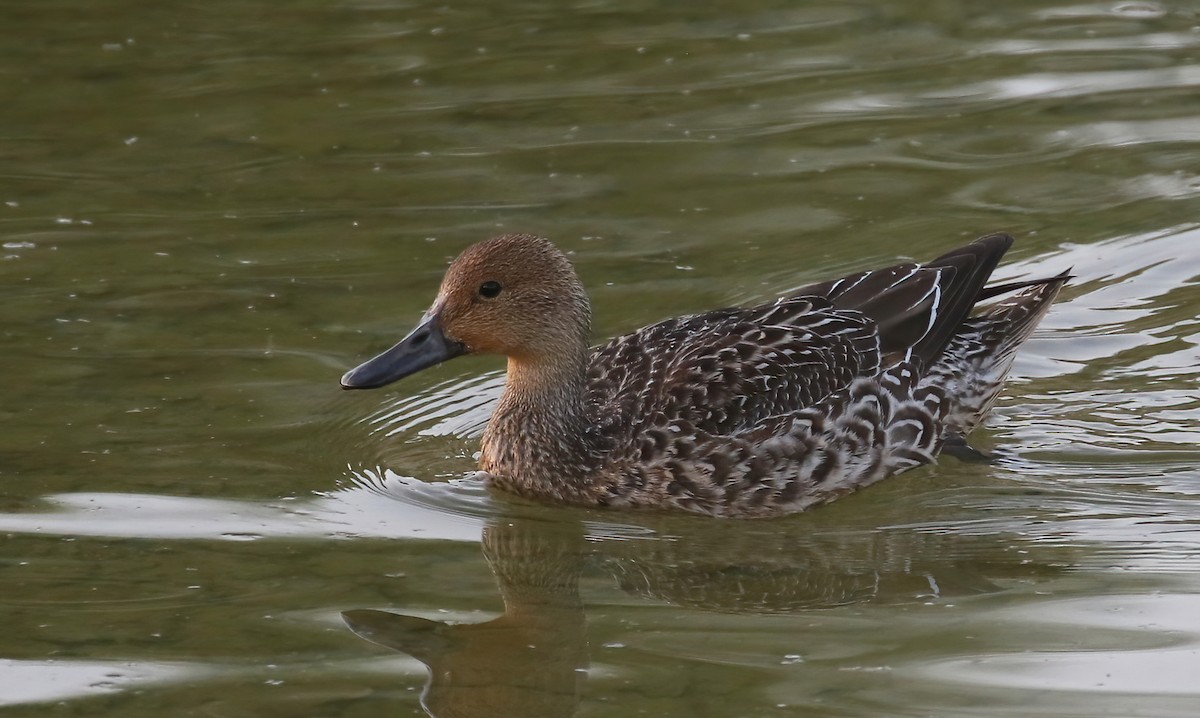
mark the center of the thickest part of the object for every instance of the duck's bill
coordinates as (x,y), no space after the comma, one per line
(424,346)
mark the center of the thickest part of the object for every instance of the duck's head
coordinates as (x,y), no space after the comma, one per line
(516,295)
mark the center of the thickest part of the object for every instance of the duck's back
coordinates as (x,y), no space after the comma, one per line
(724,372)
(770,409)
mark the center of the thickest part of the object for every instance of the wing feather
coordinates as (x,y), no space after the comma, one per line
(725,371)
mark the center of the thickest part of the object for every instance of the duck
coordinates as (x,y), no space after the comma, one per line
(739,412)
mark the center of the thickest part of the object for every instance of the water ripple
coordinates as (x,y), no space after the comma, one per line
(1023,87)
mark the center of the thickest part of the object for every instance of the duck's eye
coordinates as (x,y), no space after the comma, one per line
(489,289)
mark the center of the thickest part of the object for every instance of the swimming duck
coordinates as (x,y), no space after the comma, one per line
(740,412)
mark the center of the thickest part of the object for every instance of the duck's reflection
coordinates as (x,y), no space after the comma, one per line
(532,660)
(529,661)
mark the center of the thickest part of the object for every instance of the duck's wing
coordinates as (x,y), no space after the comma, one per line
(725,371)
(919,307)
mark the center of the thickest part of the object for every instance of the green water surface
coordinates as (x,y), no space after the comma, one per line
(208,211)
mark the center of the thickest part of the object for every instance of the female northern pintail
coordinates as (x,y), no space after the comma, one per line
(743,412)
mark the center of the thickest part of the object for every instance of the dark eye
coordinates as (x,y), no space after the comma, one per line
(489,289)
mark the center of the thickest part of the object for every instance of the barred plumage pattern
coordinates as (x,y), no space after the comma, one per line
(776,408)
(745,412)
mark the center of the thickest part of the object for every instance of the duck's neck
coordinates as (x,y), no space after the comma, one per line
(540,441)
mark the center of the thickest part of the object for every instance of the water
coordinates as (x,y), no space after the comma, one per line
(208,212)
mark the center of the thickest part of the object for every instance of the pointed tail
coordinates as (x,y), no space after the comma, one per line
(980,354)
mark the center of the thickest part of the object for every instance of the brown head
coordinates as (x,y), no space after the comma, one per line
(516,295)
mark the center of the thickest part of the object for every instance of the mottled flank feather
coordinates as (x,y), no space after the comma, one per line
(742,412)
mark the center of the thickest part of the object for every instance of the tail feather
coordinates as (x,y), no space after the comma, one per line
(979,356)
(995,290)
(1014,319)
